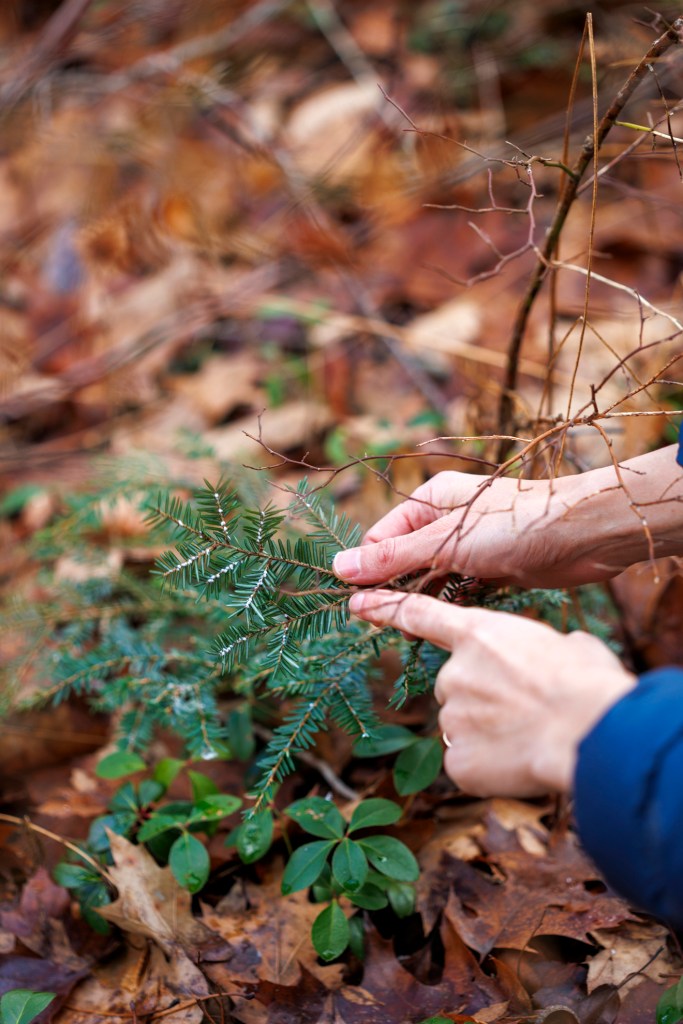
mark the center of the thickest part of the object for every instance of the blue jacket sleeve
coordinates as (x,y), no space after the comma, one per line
(629,795)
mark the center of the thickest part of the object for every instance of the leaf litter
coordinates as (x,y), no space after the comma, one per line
(149,239)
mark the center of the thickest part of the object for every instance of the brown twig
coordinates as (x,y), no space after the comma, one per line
(53,40)
(31,825)
(591,147)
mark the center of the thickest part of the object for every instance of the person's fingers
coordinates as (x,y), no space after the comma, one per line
(417,511)
(442,624)
(394,556)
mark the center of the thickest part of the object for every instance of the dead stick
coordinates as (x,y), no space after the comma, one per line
(591,146)
(55,37)
(13,820)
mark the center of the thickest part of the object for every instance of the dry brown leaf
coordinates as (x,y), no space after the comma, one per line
(150,902)
(221,385)
(284,428)
(270,936)
(636,948)
(142,978)
(330,131)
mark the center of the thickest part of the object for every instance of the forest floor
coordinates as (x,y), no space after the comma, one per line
(295,235)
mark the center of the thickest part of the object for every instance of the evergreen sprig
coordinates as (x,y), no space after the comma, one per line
(242,613)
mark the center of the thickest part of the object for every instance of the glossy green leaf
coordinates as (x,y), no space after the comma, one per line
(155,825)
(214,807)
(118,764)
(349,866)
(321,889)
(166,770)
(254,837)
(402,898)
(374,812)
(670,1006)
(71,876)
(317,816)
(386,739)
(21,1005)
(330,932)
(125,799)
(202,785)
(304,866)
(418,766)
(189,862)
(370,897)
(149,791)
(391,857)
(98,840)
(357,936)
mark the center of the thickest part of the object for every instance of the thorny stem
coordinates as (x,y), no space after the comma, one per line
(591,146)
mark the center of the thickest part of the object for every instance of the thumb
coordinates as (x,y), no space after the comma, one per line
(394,556)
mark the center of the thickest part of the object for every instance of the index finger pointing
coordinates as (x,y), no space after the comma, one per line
(439,623)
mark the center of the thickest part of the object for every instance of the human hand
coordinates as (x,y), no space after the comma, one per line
(517,696)
(499,529)
(534,533)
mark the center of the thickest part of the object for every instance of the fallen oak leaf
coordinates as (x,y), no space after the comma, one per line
(526,896)
(151,902)
(637,950)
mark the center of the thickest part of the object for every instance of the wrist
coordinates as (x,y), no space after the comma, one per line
(554,758)
(607,520)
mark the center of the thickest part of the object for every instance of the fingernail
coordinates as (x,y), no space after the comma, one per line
(356,602)
(346,564)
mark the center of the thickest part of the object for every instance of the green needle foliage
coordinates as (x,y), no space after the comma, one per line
(242,620)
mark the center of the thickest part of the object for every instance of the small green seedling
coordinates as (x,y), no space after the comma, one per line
(370,871)
(167,829)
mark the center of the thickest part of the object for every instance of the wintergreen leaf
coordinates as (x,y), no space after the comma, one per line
(202,785)
(349,866)
(304,866)
(402,898)
(330,932)
(418,766)
(254,837)
(370,897)
(21,1005)
(98,840)
(118,764)
(386,739)
(189,862)
(317,816)
(321,889)
(167,769)
(149,791)
(125,799)
(215,806)
(357,936)
(157,824)
(72,876)
(391,857)
(375,811)
(670,1006)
